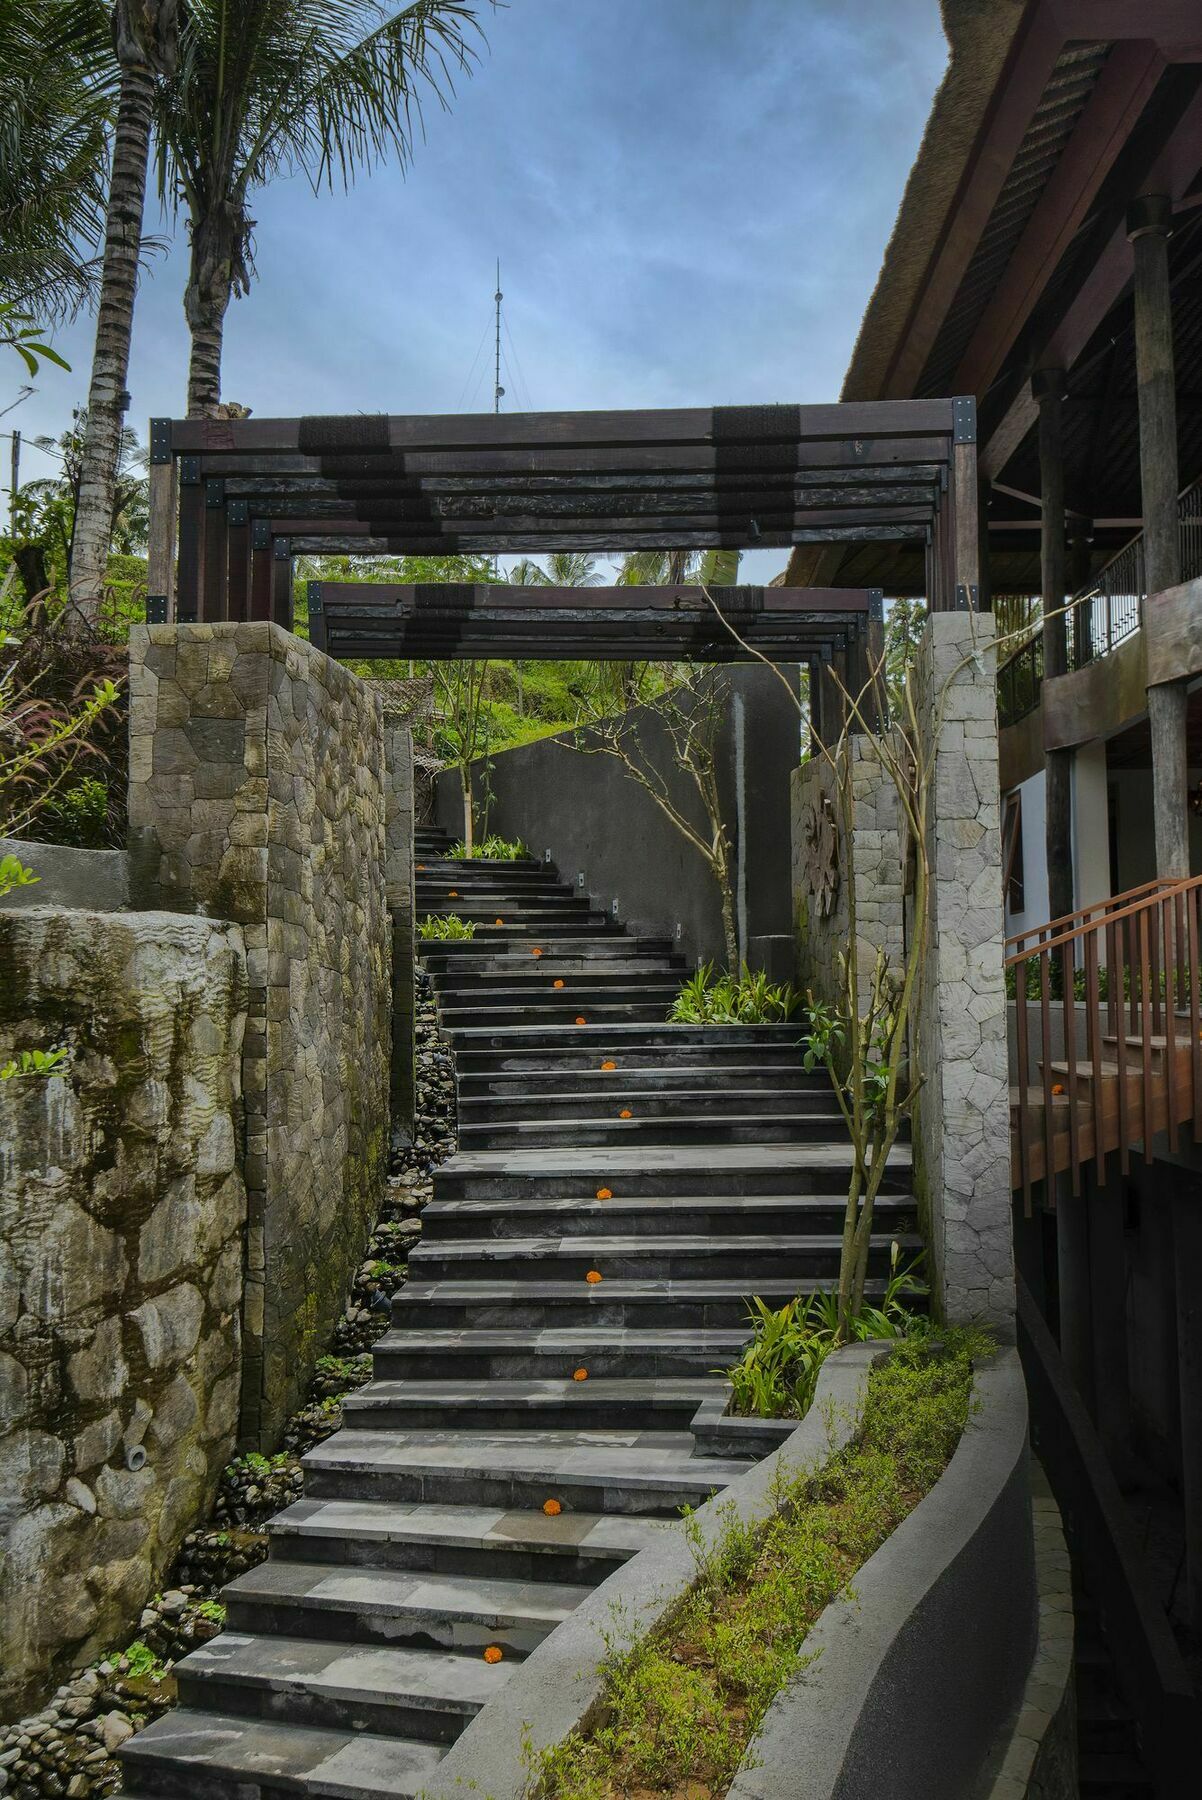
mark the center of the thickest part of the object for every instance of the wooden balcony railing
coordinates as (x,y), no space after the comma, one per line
(1107,1040)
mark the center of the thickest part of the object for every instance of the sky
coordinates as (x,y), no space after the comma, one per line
(689,198)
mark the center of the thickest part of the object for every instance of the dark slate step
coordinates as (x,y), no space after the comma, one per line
(592,1404)
(655,1125)
(420,1694)
(463,1540)
(526,1305)
(459,1613)
(719,1216)
(497,1354)
(496,946)
(558,1085)
(458,1019)
(533,991)
(523,975)
(189,1755)
(524,864)
(651,1170)
(564,1054)
(810,1258)
(612,1039)
(607,1098)
(651,1474)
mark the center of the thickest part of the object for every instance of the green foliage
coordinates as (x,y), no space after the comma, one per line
(491,849)
(14,874)
(776,1374)
(212,1610)
(742,999)
(679,1708)
(77,815)
(445,927)
(34,1062)
(21,332)
(144,1665)
(825,1047)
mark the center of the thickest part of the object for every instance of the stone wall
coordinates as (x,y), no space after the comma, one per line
(97,880)
(122,1223)
(963,1119)
(257,794)
(871,860)
(398,876)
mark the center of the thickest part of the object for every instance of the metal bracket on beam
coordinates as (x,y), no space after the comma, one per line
(313,588)
(283,550)
(214,492)
(964,419)
(966,597)
(189,471)
(876,603)
(160,440)
(156,609)
(260,535)
(238,512)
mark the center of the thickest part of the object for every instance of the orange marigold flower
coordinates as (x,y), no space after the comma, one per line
(579,1374)
(1057,1087)
(605,1193)
(536,951)
(552,1508)
(580,1019)
(625,1113)
(593,1277)
(493,1654)
(452,893)
(609,1065)
(558,981)
(498,921)
(421,868)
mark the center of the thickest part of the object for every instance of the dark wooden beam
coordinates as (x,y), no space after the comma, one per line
(1048,388)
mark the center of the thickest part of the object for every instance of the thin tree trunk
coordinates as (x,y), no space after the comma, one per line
(114,328)
(728,921)
(216,271)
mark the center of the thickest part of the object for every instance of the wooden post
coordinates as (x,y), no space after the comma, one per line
(1149,222)
(1047,387)
(281,583)
(963,525)
(160,545)
(191,540)
(215,566)
(260,569)
(238,564)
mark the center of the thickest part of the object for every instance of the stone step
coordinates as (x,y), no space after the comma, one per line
(533,992)
(558,1084)
(460,1613)
(573,1548)
(559,909)
(656,1403)
(653,1125)
(811,1258)
(434,860)
(675,1215)
(524,974)
(189,1755)
(647,1171)
(610,1040)
(498,1354)
(422,1694)
(526,1305)
(650,1474)
(576,1099)
(457,1019)
(564,1052)
(495,946)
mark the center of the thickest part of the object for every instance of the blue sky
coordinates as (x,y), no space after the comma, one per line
(689,198)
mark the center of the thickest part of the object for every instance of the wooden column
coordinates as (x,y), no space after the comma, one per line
(1149,223)
(238,560)
(281,583)
(160,546)
(260,569)
(214,565)
(191,540)
(963,523)
(1048,390)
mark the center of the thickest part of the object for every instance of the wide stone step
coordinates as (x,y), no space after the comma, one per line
(610,1040)
(573,1548)
(534,992)
(547,1304)
(440,856)
(499,1354)
(674,1215)
(495,947)
(461,1613)
(655,1125)
(421,1694)
(650,1474)
(811,1258)
(591,1403)
(523,974)
(219,1756)
(631,1172)
(596,1010)
(564,1053)
(560,1087)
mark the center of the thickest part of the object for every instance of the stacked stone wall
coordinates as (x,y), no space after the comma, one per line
(257,793)
(398,875)
(122,1243)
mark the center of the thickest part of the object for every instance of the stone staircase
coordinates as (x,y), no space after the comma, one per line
(528,1427)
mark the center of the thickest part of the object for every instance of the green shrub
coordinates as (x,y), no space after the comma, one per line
(77,815)
(445,927)
(491,849)
(742,999)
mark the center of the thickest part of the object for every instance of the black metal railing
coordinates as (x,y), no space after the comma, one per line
(1103,614)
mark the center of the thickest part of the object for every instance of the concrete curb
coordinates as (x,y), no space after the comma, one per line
(81,880)
(921,1669)
(557,1689)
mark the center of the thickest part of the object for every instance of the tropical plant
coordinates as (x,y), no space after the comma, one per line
(445,928)
(491,849)
(145,34)
(462,687)
(40,744)
(19,331)
(40,1063)
(727,999)
(46,510)
(263,87)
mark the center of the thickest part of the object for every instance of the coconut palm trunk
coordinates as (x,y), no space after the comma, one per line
(218,270)
(145,48)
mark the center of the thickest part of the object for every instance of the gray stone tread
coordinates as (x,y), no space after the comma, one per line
(406,1594)
(464,1527)
(785,1204)
(352,1672)
(610,1244)
(608,1291)
(670,1159)
(637,1390)
(343,1765)
(630,1457)
(569,1339)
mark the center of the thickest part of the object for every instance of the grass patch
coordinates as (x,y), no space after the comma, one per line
(681,1707)
(445,927)
(742,999)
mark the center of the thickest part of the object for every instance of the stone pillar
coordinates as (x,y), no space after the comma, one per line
(1048,389)
(398,875)
(962,1134)
(1149,224)
(257,795)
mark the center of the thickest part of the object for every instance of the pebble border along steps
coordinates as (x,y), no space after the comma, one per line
(546,1400)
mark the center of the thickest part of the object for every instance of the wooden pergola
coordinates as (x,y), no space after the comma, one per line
(233,501)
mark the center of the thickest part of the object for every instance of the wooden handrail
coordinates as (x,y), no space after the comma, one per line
(1126,907)
(1053,927)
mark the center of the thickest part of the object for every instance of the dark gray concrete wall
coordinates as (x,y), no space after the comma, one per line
(96,880)
(608,837)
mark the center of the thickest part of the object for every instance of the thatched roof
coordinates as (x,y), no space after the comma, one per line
(980,35)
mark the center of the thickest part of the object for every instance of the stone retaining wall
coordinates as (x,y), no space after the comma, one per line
(398,875)
(257,794)
(122,1222)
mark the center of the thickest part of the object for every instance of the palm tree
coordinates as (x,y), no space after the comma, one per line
(145,37)
(328,87)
